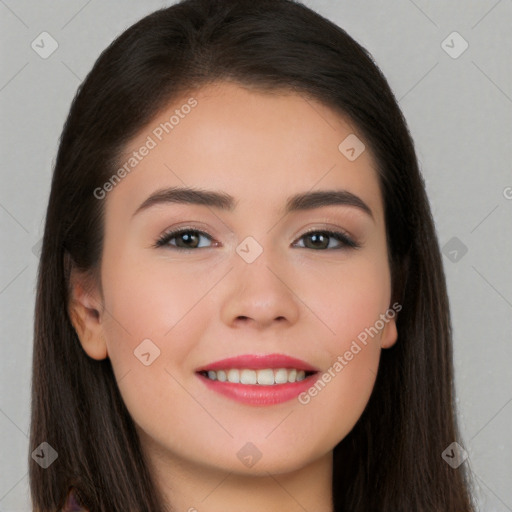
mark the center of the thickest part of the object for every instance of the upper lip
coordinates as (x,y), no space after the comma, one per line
(258,362)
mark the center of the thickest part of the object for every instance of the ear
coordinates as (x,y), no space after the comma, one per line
(85,311)
(389,333)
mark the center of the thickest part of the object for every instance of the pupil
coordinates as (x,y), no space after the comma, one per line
(187,237)
(316,238)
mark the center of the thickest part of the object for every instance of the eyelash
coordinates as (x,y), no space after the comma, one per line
(347,241)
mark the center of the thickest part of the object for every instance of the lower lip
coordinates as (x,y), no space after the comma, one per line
(256,394)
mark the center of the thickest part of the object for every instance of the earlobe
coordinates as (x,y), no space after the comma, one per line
(84,312)
(389,334)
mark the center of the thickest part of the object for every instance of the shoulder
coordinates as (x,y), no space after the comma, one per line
(73,502)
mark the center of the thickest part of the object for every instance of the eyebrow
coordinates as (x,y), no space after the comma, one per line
(226,202)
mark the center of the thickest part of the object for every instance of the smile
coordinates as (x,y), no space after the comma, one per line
(264,377)
(258,379)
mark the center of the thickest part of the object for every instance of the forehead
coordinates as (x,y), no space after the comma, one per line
(249,143)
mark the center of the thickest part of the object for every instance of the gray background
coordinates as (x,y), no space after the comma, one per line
(459,112)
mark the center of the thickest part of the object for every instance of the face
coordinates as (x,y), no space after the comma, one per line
(245,276)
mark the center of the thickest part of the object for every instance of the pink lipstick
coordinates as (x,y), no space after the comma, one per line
(258,379)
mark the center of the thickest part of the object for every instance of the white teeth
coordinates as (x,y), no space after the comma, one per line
(248,377)
(281,376)
(233,376)
(264,377)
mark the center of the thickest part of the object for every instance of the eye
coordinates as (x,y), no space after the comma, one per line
(186,239)
(321,239)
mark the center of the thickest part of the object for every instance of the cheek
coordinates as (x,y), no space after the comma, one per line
(336,400)
(149,297)
(348,300)
(151,310)
(153,323)
(351,307)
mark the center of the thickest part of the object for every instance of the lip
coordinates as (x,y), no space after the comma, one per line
(259,362)
(254,394)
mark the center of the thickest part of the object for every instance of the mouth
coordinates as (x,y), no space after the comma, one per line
(258,379)
(264,377)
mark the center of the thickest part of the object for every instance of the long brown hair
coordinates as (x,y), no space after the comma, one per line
(391,460)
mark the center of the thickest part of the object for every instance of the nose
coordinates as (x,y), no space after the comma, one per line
(260,294)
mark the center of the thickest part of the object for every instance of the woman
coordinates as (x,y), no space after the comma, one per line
(240,291)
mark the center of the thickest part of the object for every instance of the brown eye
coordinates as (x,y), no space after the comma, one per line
(316,240)
(322,240)
(185,239)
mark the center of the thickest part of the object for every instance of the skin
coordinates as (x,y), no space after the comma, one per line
(205,304)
